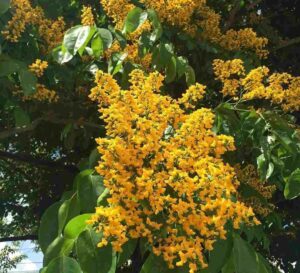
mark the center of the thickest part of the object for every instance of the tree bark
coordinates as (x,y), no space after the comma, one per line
(38,161)
(32,237)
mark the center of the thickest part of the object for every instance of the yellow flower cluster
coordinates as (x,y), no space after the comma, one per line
(87,17)
(132,51)
(229,72)
(24,14)
(254,83)
(145,27)
(190,16)
(280,88)
(192,96)
(21,17)
(38,67)
(42,94)
(175,12)
(163,168)
(186,14)
(117,10)
(249,176)
(51,31)
(209,24)
(244,39)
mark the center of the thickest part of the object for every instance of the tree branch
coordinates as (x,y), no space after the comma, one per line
(235,10)
(232,15)
(57,120)
(14,131)
(38,161)
(255,3)
(19,238)
(51,119)
(288,43)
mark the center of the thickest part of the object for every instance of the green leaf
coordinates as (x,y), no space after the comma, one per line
(94,158)
(48,229)
(244,257)
(181,64)
(93,259)
(282,131)
(113,267)
(190,75)
(270,170)
(89,188)
(156,264)
(127,250)
(82,47)
(145,45)
(67,195)
(4,6)
(220,255)
(171,70)
(8,67)
(264,266)
(61,56)
(292,186)
(28,81)
(60,246)
(76,38)
(157,31)
(102,199)
(75,226)
(101,41)
(229,266)
(105,36)
(166,53)
(162,55)
(115,63)
(262,166)
(97,46)
(63,265)
(68,210)
(134,19)
(81,175)
(228,121)
(21,117)
(247,192)
(120,38)
(43,270)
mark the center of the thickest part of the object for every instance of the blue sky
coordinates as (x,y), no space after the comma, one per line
(34,260)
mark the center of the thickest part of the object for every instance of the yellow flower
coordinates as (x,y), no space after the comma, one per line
(279,88)
(51,31)
(192,95)
(42,94)
(190,16)
(38,67)
(87,17)
(245,39)
(226,72)
(164,170)
(117,10)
